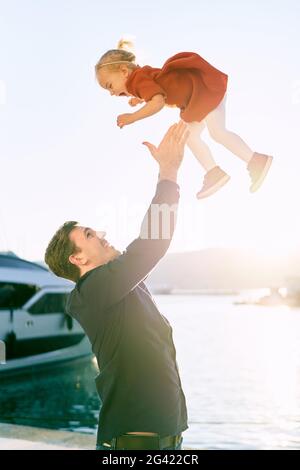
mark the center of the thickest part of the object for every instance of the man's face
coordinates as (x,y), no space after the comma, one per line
(94,249)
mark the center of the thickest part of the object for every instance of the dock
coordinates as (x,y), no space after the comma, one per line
(17,437)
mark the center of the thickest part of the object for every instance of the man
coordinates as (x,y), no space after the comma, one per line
(143,405)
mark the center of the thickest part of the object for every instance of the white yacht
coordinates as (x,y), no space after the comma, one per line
(35,331)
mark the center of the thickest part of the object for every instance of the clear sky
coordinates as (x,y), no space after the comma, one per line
(64,158)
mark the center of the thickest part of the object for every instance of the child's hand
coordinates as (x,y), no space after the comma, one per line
(134,101)
(125,119)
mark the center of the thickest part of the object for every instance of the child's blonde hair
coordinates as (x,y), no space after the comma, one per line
(114,57)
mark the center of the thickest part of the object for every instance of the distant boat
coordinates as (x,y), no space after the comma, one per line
(34,327)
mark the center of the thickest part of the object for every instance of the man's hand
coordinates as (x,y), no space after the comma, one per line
(169,153)
(134,101)
(125,119)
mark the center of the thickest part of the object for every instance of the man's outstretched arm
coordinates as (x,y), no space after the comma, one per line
(114,280)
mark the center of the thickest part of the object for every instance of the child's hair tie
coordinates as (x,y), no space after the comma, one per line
(116,62)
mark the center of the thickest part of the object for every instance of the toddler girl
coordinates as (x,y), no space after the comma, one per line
(198,89)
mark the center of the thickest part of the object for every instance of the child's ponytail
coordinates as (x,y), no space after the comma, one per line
(113,58)
(125,45)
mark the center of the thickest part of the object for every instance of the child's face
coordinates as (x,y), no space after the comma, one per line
(114,81)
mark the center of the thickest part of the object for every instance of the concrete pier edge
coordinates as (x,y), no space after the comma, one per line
(18,437)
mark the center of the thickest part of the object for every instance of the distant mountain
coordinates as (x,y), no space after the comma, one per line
(222,269)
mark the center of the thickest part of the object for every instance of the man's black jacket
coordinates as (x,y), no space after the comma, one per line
(138,384)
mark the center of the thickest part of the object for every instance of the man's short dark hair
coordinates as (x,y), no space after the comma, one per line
(58,252)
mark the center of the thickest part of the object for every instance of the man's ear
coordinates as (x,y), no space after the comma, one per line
(77,260)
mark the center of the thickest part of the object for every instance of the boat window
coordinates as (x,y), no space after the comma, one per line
(50,303)
(15,295)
